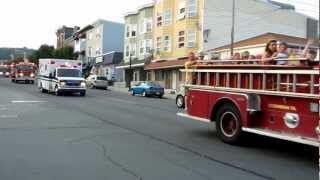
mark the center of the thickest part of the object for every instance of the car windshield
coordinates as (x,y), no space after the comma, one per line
(153,84)
(24,68)
(69,73)
(101,78)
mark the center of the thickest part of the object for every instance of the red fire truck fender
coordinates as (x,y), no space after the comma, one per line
(245,103)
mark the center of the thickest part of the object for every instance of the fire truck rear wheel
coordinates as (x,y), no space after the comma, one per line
(228,124)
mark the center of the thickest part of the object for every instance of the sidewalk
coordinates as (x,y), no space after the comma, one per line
(125,90)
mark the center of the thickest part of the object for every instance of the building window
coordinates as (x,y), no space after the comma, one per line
(148,74)
(180,74)
(127,51)
(141,45)
(192,38)
(159,75)
(148,45)
(90,51)
(158,45)
(181,39)
(98,32)
(98,51)
(192,8)
(90,35)
(134,30)
(132,49)
(135,76)
(182,10)
(206,35)
(167,17)
(147,25)
(128,31)
(167,44)
(159,19)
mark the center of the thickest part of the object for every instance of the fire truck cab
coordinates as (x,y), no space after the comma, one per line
(24,72)
(270,100)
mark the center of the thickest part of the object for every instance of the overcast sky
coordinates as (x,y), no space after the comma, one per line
(30,23)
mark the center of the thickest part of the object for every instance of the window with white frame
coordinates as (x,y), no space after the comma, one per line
(127,50)
(167,43)
(90,35)
(192,38)
(192,8)
(181,10)
(181,39)
(141,46)
(98,51)
(132,49)
(90,51)
(98,32)
(128,31)
(159,19)
(148,24)
(167,20)
(148,45)
(158,44)
(133,30)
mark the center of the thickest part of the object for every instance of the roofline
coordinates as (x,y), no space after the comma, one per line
(140,8)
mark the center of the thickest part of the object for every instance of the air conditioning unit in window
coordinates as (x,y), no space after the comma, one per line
(191,44)
(181,16)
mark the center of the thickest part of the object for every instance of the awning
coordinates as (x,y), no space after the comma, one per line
(134,63)
(168,64)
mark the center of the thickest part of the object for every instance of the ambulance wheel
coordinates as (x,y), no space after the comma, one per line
(56,91)
(82,93)
(42,90)
(228,124)
(32,82)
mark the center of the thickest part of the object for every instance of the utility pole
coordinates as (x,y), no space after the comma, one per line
(232,27)
(130,69)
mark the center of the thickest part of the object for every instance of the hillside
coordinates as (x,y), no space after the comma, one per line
(5,53)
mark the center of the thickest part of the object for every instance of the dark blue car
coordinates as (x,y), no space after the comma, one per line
(147,89)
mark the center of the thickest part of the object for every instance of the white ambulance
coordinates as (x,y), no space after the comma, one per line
(61,75)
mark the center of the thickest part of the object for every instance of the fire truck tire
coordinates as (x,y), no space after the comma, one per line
(180,102)
(228,124)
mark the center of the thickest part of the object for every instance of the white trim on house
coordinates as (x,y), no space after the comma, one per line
(127,66)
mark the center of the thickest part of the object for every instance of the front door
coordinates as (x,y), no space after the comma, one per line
(168,79)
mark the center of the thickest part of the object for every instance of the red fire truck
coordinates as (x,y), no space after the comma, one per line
(278,101)
(24,72)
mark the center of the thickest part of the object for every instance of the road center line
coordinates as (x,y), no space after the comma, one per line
(8,116)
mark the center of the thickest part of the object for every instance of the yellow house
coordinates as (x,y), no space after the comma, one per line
(177,31)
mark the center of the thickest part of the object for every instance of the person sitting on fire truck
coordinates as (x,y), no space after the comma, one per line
(270,50)
(191,61)
(310,55)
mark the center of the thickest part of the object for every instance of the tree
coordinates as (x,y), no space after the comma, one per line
(63,53)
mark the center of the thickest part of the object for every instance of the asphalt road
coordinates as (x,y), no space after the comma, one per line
(110,135)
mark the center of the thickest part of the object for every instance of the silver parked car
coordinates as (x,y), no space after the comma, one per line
(99,82)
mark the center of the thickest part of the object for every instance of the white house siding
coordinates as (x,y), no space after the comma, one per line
(253,18)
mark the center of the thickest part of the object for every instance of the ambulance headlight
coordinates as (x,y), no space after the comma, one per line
(1,73)
(32,75)
(21,74)
(62,83)
(83,84)
(7,73)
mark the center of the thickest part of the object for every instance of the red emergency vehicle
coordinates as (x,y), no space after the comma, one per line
(24,72)
(4,70)
(278,101)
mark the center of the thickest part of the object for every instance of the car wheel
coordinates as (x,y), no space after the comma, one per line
(160,96)
(180,101)
(228,124)
(144,94)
